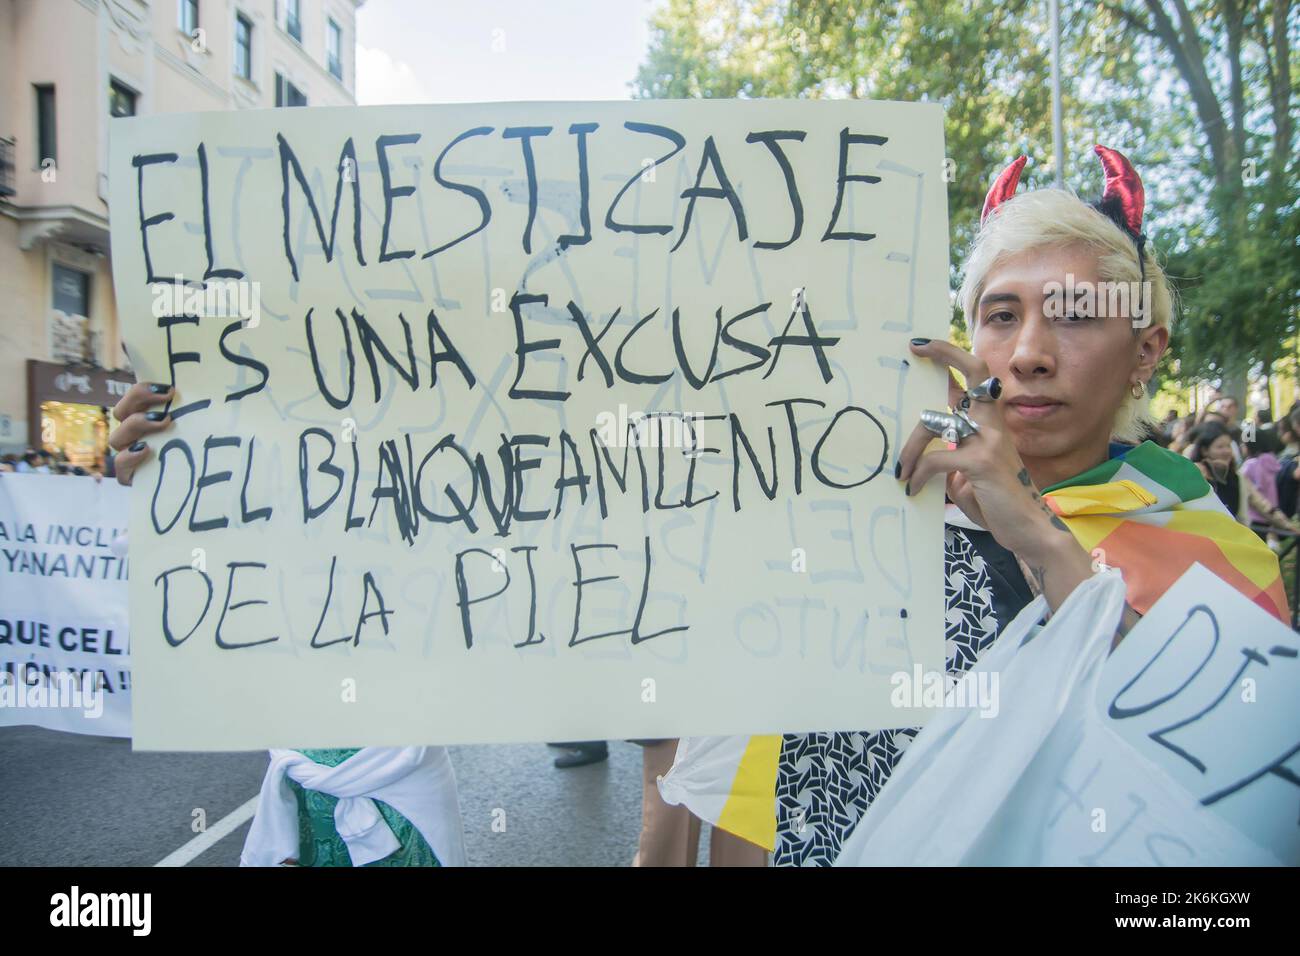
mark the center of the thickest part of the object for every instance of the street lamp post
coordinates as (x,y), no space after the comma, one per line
(1058,137)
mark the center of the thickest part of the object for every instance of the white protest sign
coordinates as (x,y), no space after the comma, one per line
(1207,687)
(535,421)
(1050,781)
(65,660)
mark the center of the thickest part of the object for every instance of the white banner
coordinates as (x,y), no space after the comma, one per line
(64,652)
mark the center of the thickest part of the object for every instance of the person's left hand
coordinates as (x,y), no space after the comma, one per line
(985,475)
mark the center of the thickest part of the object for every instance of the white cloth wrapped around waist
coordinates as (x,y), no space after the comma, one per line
(417,782)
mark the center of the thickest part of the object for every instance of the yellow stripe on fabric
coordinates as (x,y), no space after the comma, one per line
(1239,544)
(1091,530)
(750,810)
(1115,497)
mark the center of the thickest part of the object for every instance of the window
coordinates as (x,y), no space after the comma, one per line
(121,99)
(46,139)
(71,337)
(286,94)
(187,16)
(334,49)
(293,19)
(243,47)
(71,290)
(7,168)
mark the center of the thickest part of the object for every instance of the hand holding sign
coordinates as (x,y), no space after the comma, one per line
(135,425)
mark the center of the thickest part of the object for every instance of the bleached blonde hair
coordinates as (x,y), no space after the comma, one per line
(1052,218)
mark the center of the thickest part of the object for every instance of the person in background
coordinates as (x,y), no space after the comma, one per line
(1288,489)
(1291,435)
(1230,411)
(1261,469)
(1288,439)
(1211,450)
(1210,415)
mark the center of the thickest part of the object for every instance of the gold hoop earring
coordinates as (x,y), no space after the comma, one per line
(1138,390)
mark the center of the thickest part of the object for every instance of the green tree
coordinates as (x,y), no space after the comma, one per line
(932,50)
(1198,96)
(1236,245)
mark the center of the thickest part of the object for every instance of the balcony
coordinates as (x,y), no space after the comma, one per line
(7,187)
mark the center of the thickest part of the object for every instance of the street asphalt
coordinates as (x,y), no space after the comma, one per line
(73,800)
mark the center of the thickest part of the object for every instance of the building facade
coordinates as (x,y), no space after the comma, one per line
(67,67)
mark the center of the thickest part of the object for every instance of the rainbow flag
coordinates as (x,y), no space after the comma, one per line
(1148,512)
(1152,514)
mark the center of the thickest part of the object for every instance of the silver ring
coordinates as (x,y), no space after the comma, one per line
(986,391)
(952,427)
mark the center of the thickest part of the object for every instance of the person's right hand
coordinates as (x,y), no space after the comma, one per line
(138,422)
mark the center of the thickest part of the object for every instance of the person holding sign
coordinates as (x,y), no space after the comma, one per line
(1044,488)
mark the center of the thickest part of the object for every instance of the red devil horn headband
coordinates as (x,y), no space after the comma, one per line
(1123,191)
(1004,187)
(1122,198)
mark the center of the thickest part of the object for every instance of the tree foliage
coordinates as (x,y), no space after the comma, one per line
(1199,93)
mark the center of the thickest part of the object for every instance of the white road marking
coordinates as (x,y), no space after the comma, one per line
(222,828)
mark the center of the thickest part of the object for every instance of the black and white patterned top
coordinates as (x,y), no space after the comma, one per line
(826,781)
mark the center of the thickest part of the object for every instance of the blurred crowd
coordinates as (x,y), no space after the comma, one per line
(1250,463)
(47,463)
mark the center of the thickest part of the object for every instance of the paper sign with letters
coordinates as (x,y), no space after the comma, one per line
(1207,687)
(520,422)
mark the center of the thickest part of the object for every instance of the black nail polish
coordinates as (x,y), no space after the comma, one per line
(907,489)
(159,389)
(138,446)
(906,364)
(898,469)
(155,416)
(919,342)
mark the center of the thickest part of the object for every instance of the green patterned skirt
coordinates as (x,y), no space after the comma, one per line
(320,843)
